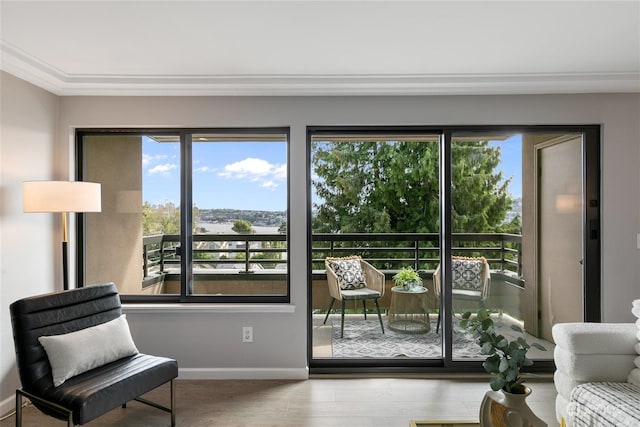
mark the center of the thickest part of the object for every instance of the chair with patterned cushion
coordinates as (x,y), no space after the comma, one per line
(351,279)
(470,280)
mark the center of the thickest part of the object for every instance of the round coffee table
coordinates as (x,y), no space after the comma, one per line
(409,311)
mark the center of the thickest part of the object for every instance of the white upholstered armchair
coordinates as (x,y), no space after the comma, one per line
(593,363)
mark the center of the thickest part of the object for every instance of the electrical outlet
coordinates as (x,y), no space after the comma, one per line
(247,334)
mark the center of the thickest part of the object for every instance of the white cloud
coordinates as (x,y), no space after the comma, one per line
(280,172)
(162,169)
(256,170)
(269,185)
(148,159)
(249,167)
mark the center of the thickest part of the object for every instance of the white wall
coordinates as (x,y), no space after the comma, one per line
(207,342)
(29,243)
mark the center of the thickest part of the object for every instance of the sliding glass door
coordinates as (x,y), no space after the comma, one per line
(504,195)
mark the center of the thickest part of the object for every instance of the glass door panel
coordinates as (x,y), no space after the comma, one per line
(375,196)
(486,219)
(517,203)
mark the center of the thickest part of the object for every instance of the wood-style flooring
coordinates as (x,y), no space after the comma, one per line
(318,402)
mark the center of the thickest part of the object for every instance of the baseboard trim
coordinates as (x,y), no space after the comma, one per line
(243,373)
(8,405)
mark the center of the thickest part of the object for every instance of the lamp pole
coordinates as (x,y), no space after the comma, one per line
(65,252)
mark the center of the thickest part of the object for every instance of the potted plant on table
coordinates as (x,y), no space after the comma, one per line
(408,278)
(504,362)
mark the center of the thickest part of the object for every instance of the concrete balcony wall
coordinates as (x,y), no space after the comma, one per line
(504,297)
(114,243)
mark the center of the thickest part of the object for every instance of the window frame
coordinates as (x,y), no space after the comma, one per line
(186,198)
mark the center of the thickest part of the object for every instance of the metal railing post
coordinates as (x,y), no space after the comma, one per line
(145,261)
(246,256)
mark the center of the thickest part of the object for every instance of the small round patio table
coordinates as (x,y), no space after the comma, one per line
(409,311)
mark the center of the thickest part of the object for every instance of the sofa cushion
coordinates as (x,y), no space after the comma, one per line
(605,404)
(596,338)
(95,392)
(594,367)
(634,377)
(564,384)
(561,408)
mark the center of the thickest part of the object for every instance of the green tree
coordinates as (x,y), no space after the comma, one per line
(164,218)
(160,219)
(242,226)
(393,186)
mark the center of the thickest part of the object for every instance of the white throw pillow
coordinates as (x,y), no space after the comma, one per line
(77,352)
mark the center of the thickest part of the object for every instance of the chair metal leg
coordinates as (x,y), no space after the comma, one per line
(379,316)
(18,409)
(438,324)
(364,309)
(342,320)
(329,311)
(64,412)
(173,402)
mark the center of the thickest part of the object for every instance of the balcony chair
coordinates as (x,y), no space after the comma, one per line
(76,358)
(470,280)
(351,279)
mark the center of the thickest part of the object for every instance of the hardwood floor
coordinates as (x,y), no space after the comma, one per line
(318,402)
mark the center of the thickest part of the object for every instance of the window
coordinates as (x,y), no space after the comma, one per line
(188,215)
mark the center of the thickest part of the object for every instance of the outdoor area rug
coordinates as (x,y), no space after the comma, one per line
(364,339)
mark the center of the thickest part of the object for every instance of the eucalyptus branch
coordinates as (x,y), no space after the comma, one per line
(505,358)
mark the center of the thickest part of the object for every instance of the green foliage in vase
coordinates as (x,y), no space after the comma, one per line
(505,358)
(406,275)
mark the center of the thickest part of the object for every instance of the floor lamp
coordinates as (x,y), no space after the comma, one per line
(62,197)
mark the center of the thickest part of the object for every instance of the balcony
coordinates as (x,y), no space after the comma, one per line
(232,264)
(236,264)
(256,264)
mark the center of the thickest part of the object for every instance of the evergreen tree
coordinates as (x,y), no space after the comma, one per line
(393,187)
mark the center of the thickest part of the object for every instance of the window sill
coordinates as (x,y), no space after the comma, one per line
(208,308)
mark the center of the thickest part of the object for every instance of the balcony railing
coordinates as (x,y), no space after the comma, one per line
(250,253)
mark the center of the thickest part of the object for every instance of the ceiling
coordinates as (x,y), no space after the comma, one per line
(142,47)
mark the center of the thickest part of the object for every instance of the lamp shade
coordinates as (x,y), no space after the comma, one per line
(61,196)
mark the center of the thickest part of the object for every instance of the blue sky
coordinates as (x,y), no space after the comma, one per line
(251,175)
(233,175)
(511,165)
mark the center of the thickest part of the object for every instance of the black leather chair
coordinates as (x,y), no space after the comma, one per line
(89,395)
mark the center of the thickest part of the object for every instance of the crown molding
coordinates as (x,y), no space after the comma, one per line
(28,68)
